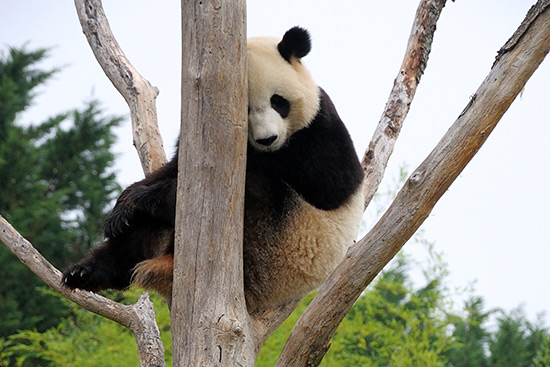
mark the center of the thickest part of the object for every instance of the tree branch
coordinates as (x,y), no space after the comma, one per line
(140,96)
(414,63)
(139,318)
(513,67)
(136,90)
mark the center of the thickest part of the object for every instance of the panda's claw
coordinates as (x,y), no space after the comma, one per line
(77,276)
(118,221)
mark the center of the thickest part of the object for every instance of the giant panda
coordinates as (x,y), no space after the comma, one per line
(303,194)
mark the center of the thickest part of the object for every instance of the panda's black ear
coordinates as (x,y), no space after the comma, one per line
(296,42)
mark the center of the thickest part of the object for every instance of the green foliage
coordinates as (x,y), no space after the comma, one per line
(392,323)
(57,183)
(18,79)
(82,339)
(395,323)
(508,347)
(517,342)
(542,359)
(471,336)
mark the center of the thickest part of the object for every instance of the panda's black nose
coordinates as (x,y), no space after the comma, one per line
(267,141)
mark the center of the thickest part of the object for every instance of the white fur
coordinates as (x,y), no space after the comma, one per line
(308,250)
(313,241)
(263,123)
(317,243)
(269,74)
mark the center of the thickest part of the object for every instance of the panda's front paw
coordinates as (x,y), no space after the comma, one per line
(78,276)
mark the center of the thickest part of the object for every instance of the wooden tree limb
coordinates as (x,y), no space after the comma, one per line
(140,96)
(516,62)
(136,90)
(265,322)
(139,317)
(414,63)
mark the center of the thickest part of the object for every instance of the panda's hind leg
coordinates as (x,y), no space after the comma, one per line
(111,264)
(107,266)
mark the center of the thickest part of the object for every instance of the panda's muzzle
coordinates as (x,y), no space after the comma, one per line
(267,141)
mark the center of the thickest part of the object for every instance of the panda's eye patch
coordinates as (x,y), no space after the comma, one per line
(281,105)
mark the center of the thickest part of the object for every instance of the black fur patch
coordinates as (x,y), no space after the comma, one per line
(281,105)
(296,42)
(319,162)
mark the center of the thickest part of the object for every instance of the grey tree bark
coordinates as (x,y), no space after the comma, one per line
(139,318)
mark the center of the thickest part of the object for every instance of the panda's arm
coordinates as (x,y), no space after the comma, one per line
(153,196)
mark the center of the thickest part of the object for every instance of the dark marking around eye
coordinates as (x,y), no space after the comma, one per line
(281,105)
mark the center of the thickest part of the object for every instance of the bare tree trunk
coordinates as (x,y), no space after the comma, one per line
(515,64)
(210,324)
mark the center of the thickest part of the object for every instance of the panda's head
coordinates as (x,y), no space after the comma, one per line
(282,96)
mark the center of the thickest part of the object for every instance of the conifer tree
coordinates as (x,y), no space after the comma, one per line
(57,183)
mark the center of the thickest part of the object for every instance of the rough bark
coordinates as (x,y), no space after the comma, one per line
(210,325)
(140,96)
(515,63)
(136,90)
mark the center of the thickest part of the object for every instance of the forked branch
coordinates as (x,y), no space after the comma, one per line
(140,96)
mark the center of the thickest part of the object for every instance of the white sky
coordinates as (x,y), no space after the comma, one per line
(492,225)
